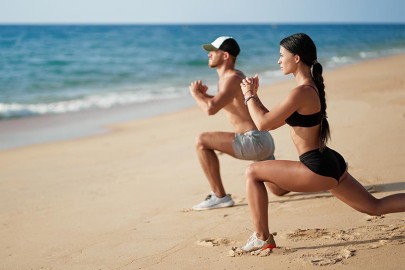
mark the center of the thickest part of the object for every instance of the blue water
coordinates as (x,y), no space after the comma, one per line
(67,68)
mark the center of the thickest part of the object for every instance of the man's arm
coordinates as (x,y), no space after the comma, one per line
(213,104)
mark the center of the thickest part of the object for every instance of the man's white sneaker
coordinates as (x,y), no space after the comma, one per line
(212,202)
(254,243)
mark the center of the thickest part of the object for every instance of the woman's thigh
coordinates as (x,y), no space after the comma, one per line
(289,175)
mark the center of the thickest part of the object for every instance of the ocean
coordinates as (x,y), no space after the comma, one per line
(60,69)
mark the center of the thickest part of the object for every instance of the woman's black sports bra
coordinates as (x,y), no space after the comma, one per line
(307,120)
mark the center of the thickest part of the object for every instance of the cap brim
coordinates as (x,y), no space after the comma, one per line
(209,47)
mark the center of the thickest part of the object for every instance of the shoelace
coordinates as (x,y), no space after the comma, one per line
(252,238)
(208,197)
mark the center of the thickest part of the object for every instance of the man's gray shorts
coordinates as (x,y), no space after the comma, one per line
(254,145)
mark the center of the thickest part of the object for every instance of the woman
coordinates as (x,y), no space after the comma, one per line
(320,168)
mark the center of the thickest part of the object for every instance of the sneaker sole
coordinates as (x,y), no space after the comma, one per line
(221,205)
(257,252)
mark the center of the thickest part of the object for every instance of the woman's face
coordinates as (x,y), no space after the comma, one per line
(287,61)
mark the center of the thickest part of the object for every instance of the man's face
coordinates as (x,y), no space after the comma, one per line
(215,58)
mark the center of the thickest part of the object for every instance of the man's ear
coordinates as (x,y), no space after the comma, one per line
(226,55)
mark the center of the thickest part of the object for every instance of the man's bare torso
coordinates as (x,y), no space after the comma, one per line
(236,111)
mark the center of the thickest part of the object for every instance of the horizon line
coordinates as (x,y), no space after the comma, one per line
(199,23)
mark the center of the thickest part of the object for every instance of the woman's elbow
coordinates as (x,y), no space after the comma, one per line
(265,127)
(261,127)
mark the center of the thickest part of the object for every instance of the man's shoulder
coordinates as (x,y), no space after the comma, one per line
(233,76)
(230,83)
(239,74)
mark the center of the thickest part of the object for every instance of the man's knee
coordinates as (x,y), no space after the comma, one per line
(202,141)
(199,142)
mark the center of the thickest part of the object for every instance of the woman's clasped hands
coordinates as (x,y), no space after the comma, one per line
(250,85)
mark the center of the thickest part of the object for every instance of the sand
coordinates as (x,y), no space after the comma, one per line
(122,199)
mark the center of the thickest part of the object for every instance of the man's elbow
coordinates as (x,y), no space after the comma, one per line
(211,110)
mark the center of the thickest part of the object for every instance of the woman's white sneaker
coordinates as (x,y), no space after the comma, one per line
(254,243)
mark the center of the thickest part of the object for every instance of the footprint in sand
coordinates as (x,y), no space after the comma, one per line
(239,200)
(186,210)
(361,238)
(374,218)
(238,252)
(235,251)
(329,257)
(213,242)
(316,234)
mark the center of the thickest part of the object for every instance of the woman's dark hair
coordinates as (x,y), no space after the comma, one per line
(302,45)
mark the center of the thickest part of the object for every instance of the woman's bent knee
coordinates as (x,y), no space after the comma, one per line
(372,210)
(250,172)
(276,190)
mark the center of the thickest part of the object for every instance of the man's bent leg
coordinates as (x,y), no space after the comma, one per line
(206,145)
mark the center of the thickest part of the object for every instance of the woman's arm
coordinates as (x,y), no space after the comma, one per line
(264,118)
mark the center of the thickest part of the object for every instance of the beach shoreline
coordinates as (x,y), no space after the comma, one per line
(48,128)
(122,199)
(20,132)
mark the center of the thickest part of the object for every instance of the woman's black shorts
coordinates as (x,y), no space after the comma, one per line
(326,162)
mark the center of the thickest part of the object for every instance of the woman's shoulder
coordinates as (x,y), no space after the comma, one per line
(304,90)
(296,92)
(300,94)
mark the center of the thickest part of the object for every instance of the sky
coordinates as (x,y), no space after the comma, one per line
(197,11)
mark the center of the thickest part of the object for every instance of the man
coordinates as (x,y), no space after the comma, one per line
(246,142)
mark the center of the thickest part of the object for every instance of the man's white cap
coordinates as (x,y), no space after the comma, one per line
(224,43)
